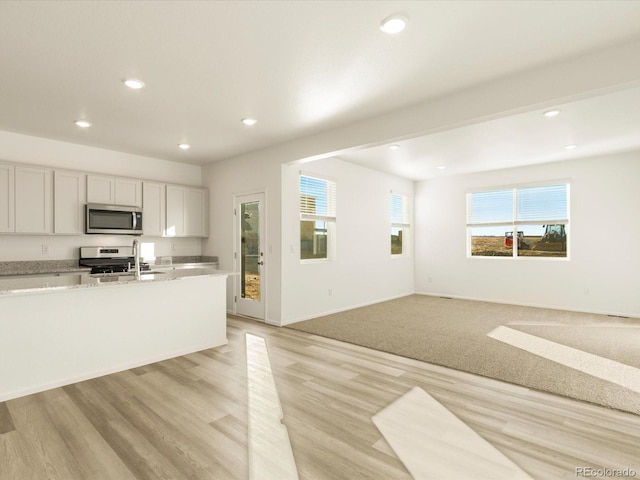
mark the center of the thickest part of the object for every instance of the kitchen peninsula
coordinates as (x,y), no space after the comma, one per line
(62,328)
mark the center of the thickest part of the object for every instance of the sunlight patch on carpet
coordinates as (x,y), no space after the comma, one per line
(594,365)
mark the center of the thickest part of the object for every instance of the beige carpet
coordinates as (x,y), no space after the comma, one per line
(453,333)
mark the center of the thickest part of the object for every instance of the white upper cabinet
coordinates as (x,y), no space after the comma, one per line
(26,201)
(153,208)
(197,212)
(36,200)
(100,189)
(69,198)
(128,192)
(176,205)
(33,200)
(114,190)
(187,211)
(7,206)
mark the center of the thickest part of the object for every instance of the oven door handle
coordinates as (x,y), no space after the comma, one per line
(135,220)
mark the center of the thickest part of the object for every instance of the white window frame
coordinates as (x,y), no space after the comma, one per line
(514,223)
(404,222)
(329,218)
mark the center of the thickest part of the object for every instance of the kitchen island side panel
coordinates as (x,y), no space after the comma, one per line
(58,337)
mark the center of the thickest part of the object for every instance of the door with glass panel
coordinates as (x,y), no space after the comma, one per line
(249,255)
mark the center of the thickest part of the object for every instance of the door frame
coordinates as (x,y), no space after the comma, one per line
(236,251)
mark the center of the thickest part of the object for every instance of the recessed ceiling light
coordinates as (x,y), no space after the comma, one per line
(133,83)
(83,123)
(569,147)
(441,167)
(184,146)
(393,24)
(394,147)
(551,113)
(249,121)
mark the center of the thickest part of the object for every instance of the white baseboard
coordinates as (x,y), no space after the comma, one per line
(535,305)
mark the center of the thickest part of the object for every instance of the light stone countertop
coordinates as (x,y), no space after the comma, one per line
(41,283)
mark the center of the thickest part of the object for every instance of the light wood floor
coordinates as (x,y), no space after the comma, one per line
(186,418)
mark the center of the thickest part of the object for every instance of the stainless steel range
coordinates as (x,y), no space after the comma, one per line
(109,260)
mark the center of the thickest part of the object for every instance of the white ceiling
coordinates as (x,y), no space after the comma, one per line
(607,123)
(300,68)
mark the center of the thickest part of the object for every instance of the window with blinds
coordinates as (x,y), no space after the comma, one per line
(317,217)
(519,222)
(399,209)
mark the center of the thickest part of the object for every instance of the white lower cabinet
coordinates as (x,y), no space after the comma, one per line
(69,198)
(53,337)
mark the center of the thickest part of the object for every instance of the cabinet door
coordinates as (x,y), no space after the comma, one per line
(100,189)
(176,203)
(196,213)
(69,197)
(153,208)
(127,192)
(33,200)
(7,206)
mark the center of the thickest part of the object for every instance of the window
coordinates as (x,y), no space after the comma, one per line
(399,206)
(519,222)
(317,217)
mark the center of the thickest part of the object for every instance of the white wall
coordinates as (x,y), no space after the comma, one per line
(363,270)
(225,179)
(362,273)
(25,149)
(601,275)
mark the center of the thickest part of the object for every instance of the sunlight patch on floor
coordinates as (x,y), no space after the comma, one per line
(433,443)
(270,454)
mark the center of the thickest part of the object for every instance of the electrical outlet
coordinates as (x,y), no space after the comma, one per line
(45,249)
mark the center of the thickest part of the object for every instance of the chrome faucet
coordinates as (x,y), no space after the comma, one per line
(136,256)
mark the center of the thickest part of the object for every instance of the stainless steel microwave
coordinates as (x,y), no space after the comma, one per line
(113,219)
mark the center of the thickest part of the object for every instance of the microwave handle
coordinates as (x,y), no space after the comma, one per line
(135,220)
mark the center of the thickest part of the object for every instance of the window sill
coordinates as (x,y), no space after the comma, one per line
(310,261)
